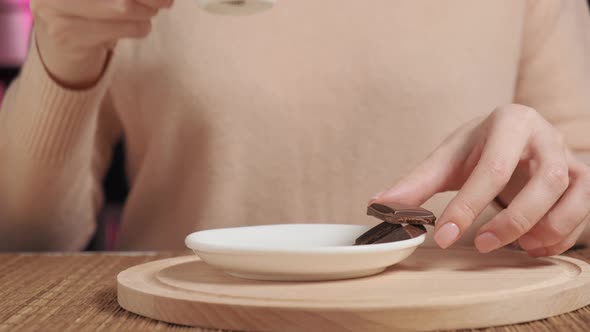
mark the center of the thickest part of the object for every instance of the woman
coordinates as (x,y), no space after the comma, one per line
(298,114)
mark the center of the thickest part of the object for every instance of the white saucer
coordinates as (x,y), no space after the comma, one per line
(297,252)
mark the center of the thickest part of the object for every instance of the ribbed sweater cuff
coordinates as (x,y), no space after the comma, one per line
(54,121)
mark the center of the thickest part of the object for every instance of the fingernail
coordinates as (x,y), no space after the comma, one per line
(529,242)
(446,235)
(537,252)
(487,242)
(374,198)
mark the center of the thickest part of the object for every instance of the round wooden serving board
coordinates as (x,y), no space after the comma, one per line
(432,289)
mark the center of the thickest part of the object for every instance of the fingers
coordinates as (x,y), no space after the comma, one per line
(63,30)
(106,32)
(514,136)
(156,4)
(561,221)
(568,242)
(88,23)
(420,184)
(105,9)
(545,187)
(435,173)
(505,142)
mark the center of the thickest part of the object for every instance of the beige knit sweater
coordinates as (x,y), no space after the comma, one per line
(298,114)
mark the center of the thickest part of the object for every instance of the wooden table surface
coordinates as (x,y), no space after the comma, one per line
(77,292)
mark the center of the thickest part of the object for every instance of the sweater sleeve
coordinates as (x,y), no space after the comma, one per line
(55,145)
(554,73)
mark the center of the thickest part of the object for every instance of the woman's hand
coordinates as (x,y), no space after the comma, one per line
(518,156)
(74,36)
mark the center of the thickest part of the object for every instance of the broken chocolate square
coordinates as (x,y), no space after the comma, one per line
(401,214)
(377,233)
(388,232)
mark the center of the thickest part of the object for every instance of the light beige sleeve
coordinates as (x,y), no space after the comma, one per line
(55,145)
(554,73)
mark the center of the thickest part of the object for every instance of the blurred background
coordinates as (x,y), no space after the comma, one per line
(15,28)
(15,25)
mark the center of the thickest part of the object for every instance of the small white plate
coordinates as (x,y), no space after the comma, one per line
(297,252)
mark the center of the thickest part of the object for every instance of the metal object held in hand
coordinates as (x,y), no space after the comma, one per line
(235,7)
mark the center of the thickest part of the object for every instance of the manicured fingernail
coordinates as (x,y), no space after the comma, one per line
(539,252)
(447,234)
(529,242)
(487,242)
(374,198)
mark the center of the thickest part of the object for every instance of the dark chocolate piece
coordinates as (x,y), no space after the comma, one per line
(405,233)
(415,230)
(388,232)
(401,214)
(235,2)
(377,232)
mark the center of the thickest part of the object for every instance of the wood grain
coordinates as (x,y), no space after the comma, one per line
(432,289)
(76,292)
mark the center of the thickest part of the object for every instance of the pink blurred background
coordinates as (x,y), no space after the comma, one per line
(15,25)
